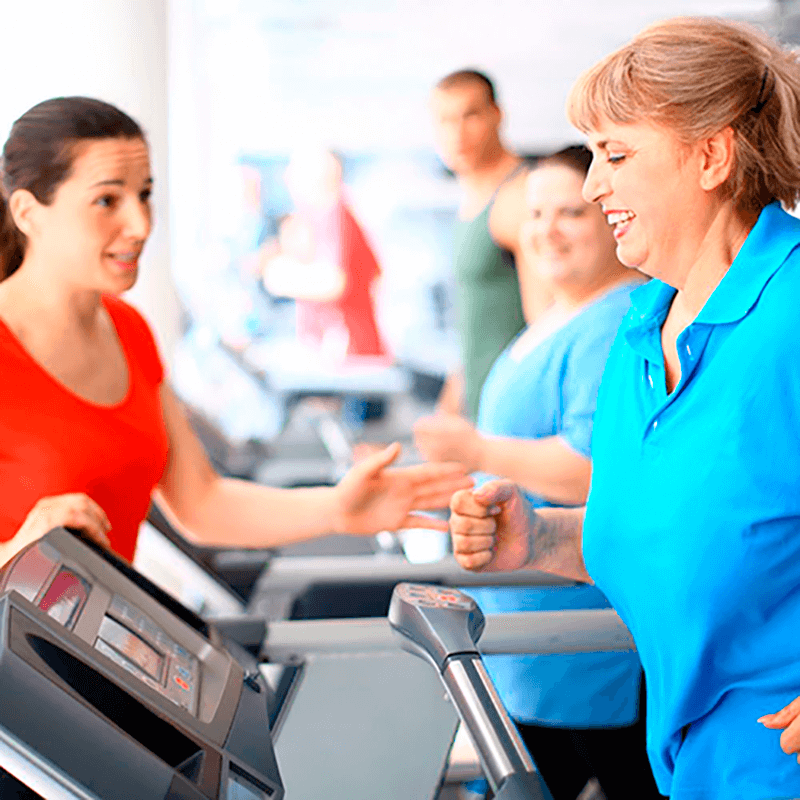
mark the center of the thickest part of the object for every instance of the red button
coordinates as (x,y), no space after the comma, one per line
(182,683)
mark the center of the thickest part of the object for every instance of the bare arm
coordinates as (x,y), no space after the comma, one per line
(505,222)
(225,511)
(548,466)
(494,529)
(451,397)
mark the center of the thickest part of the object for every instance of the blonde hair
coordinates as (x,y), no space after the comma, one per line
(697,76)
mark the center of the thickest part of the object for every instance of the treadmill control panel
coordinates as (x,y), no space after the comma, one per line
(132,640)
(420,594)
(125,634)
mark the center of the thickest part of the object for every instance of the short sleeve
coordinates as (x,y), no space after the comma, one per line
(583,374)
(137,338)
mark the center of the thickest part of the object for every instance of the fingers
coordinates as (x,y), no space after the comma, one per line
(373,464)
(435,500)
(495,492)
(72,511)
(425,521)
(475,562)
(484,500)
(790,738)
(432,471)
(782,718)
(475,543)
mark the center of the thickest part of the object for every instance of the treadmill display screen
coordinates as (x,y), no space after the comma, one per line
(65,597)
(133,648)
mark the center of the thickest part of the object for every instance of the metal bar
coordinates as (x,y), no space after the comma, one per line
(536,632)
(296,572)
(496,740)
(38,772)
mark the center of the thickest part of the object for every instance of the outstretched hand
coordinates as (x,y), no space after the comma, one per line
(373,496)
(787,719)
(489,527)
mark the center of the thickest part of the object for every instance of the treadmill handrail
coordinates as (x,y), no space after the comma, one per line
(290,572)
(38,772)
(203,557)
(520,632)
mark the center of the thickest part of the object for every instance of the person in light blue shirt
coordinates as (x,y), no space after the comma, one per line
(692,527)
(576,712)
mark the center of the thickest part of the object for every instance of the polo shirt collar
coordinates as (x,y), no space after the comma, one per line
(767,246)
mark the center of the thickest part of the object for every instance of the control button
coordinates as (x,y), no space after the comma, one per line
(182,683)
(184,673)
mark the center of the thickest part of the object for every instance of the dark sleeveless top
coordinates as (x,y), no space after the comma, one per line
(488,300)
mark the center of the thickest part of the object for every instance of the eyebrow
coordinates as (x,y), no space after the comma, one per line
(117,182)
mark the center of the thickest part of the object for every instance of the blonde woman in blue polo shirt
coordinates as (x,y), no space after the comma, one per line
(692,526)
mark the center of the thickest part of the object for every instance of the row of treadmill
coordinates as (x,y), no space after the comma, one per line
(112,689)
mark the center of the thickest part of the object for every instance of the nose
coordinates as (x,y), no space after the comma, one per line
(138,219)
(550,226)
(595,186)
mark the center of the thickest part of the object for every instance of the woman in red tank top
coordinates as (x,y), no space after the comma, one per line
(90,429)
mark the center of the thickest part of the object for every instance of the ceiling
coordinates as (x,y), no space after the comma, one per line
(356,74)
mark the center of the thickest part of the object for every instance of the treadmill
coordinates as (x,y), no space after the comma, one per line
(112,689)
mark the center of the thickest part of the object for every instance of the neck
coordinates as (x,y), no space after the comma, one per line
(718,248)
(484,178)
(32,289)
(573,296)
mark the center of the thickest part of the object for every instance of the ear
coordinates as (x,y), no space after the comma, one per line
(498,114)
(23,206)
(717,156)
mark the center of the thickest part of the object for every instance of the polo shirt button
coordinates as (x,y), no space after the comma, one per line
(655,424)
(689,351)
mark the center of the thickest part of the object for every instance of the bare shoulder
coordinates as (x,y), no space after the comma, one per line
(509,211)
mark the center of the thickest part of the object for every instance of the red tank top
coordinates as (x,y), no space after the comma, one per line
(54,442)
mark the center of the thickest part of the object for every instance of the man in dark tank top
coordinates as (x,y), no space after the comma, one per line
(490,305)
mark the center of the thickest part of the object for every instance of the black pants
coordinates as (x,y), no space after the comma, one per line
(568,757)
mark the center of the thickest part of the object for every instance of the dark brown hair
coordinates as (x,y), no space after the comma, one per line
(463,77)
(577,157)
(40,152)
(696,76)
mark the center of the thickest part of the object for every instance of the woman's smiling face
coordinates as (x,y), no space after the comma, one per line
(567,237)
(647,183)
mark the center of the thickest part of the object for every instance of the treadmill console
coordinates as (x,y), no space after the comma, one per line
(106,638)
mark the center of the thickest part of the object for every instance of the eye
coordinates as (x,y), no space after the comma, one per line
(106,201)
(574,212)
(535,213)
(616,158)
(145,195)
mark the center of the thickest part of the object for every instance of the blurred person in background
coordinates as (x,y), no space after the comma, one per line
(489,303)
(323,260)
(577,713)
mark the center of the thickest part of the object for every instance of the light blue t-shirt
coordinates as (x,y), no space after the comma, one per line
(693,522)
(551,391)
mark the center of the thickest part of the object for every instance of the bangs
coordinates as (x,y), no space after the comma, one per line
(607,91)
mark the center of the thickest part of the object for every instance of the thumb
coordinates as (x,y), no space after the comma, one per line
(373,464)
(494,492)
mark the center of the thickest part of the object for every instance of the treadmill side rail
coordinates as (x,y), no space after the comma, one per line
(38,772)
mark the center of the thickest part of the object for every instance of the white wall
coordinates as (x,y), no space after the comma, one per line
(115,50)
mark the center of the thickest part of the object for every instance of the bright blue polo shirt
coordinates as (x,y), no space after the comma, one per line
(693,522)
(551,391)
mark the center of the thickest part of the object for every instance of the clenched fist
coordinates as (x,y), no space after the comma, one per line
(490,527)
